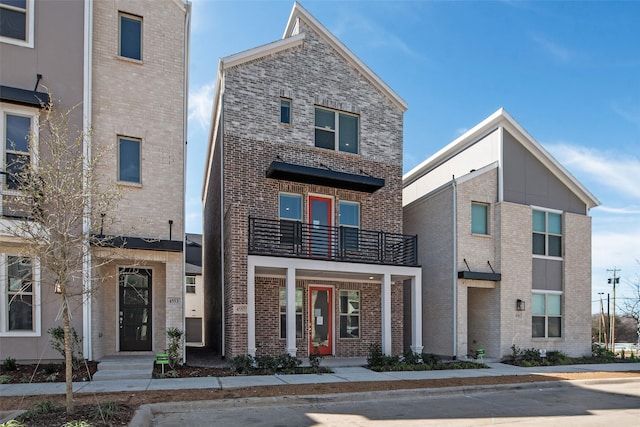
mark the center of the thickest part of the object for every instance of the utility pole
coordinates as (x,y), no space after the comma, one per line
(613,282)
(601,321)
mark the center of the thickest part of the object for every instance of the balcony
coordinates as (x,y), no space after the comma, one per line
(344,244)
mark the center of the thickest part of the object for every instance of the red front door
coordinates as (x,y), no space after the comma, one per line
(321,318)
(320,226)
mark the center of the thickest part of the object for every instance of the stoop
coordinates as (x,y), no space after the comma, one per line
(124,367)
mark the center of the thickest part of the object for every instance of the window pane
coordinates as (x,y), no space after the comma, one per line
(20,312)
(19,274)
(129,161)
(283,312)
(325,119)
(130,38)
(478,218)
(555,327)
(13,24)
(537,327)
(22,4)
(554,305)
(539,218)
(291,206)
(538,244)
(555,246)
(325,139)
(555,223)
(17,133)
(285,111)
(537,302)
(348,134)
(350,214)
(15,166)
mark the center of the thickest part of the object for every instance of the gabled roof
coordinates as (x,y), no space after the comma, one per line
(488,125)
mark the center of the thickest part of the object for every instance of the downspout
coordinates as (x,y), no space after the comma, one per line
(87,346)
(454,274)
(222,284)
(185,115)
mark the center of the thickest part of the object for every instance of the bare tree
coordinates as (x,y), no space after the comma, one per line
(58,202)
(631,306)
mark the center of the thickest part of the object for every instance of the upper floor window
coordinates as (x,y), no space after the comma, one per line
(19,280)
(285,111)
(16,22)
(190,282)
(129,160)
(335,130)
(16,128)
(130,36)
(547,233)
(546,314)
(479,218)
(349,220)
(290,218)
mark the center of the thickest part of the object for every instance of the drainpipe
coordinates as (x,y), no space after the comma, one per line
(87,345)
(454,274)
(185,115)
(222,284)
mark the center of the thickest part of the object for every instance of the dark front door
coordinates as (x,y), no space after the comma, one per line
(135,309)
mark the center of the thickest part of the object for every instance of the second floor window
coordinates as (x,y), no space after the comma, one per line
(479,217)
(335,130)
(285,111)
(129,160)
(16,22)
(190,282)
(130,36)
(16,130)
(290,218)
(547,233)
(349,225)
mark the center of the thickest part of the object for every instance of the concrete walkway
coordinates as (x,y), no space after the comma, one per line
(340,374)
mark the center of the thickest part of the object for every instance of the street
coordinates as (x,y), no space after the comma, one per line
(591,403)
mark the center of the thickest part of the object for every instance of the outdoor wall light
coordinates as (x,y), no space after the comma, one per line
(520,305)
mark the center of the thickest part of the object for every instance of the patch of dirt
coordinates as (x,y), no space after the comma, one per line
(86,404)
(46,372)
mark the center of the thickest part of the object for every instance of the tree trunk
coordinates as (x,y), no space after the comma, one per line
(68,361)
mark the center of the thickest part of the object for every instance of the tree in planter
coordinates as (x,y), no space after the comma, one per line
(57,201)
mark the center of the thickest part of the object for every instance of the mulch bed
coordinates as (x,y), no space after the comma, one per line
(45,373)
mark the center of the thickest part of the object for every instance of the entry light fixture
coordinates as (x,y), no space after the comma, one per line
(520,306)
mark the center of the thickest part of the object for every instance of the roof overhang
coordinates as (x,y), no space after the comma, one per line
(126,242)
(326,177)
(29,98)
(478,275)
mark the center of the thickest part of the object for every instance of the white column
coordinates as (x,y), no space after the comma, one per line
(291,311)
(251,309)
(416,314)
(386,314)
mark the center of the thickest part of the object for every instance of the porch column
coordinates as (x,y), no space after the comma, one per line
(291,311)
(386,314)
(416,314)
(251,309)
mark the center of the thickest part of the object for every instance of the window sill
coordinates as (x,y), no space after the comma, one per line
(17,42)
(130,60)
(555,258)
(482,236)
(130,184)
(21,334)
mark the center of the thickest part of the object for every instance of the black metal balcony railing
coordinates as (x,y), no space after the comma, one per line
(348,244)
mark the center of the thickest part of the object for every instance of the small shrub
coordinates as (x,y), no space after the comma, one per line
(412,358)
(558,358)
(314,360)
(5,379)
(242,364)
(9,364)
(431,360)
(106,411)
(375,357)
(175,341)
(13,423)
(288,363)
(602,355)
(77,423)
(57,342)
(267,364)
(51,368)
(52,378)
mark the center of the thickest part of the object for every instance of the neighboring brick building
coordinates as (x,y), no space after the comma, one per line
(505,235)
(123,62)
(303,248)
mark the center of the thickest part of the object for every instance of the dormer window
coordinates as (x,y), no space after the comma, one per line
(336,130)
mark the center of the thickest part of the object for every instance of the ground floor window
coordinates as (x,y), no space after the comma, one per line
(20,294)
(546,315)
(349,314)
(283,313)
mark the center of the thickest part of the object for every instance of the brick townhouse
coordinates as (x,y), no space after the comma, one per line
(509,245)
(123,62)
(303,247)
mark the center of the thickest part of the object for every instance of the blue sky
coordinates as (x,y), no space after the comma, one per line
(568,72)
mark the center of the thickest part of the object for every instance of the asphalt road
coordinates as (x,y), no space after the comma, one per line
(576,403)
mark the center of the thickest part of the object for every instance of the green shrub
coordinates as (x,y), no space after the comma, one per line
(267,364)
(5,379)
(431,360)
(175,343)
(106,411)
(13,423)
(242,364)
(314,360)
(9,364)
(51,378)
(375,357)
(411,358)
(57,342)
(51,368)
(288,363)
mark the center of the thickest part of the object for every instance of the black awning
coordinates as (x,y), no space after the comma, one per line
(124,242)
(478,275)
(320,176)
(29,98)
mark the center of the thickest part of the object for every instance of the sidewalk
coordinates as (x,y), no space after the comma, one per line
(341,374)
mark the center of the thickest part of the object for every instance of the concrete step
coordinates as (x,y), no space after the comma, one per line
(125,374)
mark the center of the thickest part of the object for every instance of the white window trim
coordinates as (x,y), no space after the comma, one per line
(129,183)
(546,316)
(336,131)
(17,110)
(37,314)
(300,196)
(190,285)
(347,315)
(30,24)
(134,18)
(280,313)
(546,233)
